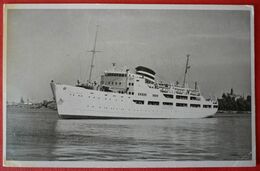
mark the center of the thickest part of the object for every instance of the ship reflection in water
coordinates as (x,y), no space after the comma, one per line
(41,136)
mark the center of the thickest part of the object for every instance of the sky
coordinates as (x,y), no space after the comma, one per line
(45,45)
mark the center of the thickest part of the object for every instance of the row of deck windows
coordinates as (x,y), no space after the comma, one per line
(114,83)
(142,94)
(181,97)
(171,104)
(115,74)
(156,95)
(168,95)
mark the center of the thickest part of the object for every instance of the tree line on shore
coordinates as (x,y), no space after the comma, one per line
(232,102)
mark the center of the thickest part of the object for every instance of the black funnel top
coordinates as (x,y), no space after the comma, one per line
(145,69)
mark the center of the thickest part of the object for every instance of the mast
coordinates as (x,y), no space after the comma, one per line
(186,70)
(93,51)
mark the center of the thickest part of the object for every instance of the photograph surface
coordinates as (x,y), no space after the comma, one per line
(128,86)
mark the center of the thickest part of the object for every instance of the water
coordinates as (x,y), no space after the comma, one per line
(40,136)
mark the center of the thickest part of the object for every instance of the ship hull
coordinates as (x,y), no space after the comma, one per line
(80,103)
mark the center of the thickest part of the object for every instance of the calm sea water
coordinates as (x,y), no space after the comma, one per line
(41,136)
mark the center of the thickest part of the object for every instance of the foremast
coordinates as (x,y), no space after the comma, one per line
(187,66)
(93,51)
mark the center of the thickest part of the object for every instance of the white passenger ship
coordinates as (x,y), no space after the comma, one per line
(122,94)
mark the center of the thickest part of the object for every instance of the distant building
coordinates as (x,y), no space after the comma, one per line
(21,101)
(233,95)
(28,102)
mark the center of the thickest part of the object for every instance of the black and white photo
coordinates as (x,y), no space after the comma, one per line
(129,85)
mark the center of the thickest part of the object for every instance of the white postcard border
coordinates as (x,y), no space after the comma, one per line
(130,164)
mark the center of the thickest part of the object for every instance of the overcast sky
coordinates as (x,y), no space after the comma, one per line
(45,45)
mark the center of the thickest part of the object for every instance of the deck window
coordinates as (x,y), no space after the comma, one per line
(153,103)
(215,106)
(168,96)
(138,101)
(195,105)
(194,98)
(155,95)
(168,103)
(182,97)
(206,106)
(181,104)
(142,94)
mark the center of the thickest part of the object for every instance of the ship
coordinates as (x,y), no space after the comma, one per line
(122,94)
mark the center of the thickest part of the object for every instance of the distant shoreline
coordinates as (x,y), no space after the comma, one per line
(233,112)
(30,108)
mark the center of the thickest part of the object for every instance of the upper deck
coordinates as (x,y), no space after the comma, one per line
(143,81)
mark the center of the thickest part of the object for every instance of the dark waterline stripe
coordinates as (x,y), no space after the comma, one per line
(108,117)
